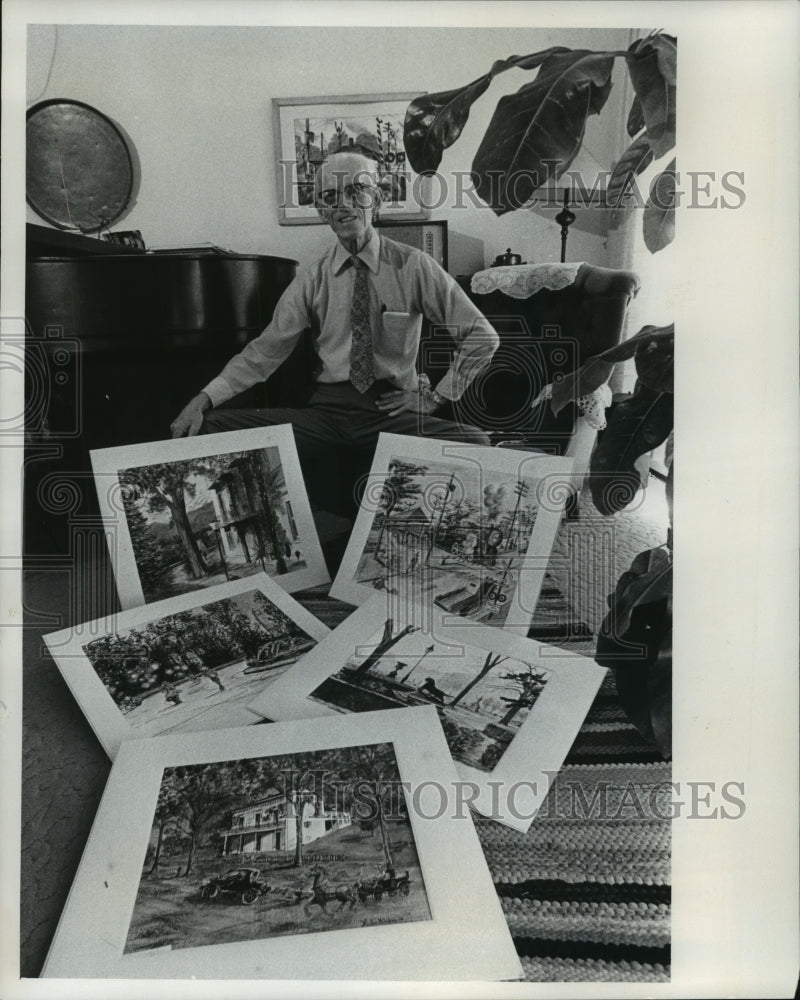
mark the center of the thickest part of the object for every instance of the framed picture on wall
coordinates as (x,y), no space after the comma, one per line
(310,129)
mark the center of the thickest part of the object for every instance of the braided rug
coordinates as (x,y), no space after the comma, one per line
(586,891)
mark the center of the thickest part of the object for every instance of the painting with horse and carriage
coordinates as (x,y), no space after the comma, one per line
(460,528)
(322,849)
(189,663)
(278,845)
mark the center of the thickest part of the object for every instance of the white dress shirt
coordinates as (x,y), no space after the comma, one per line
(404,284)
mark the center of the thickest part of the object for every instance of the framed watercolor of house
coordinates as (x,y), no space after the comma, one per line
(308,130)
(195,512)
(189,663)
(510,707)
(461,528)
(366,885)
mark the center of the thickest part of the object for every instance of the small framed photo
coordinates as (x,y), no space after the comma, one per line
(510,707)
(189,663)
(461,528)
(333,849)
(195,512)
(310,129)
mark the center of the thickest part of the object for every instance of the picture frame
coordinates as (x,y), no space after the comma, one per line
(371,124)
(510,707)
(462,935)
(194,512)
(192,662)
(465,528)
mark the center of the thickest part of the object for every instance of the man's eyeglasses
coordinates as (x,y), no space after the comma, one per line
(356,194)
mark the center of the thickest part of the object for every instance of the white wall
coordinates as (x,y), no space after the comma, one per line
(196,103)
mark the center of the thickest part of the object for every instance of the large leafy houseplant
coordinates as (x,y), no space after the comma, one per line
(532,139)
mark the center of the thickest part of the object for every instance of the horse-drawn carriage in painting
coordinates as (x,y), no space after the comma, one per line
(388,883)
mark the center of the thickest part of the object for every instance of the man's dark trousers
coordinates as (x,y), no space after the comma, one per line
(336,433)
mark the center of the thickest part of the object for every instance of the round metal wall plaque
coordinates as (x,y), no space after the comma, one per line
(80,167)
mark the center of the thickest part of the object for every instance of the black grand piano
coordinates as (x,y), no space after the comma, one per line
(117,341)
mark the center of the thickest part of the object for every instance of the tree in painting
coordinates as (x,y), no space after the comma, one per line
(529,684)
(399,487)
(167,487)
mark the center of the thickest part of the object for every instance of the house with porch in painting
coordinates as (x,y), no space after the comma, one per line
(269,823)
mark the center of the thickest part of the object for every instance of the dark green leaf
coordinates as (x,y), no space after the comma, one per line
(659,212)
(655,361)
(635,426)
(635,118)
(597,370)
(635,642)
(648,579)
(652,64)
(435,121)
(537,132)
(636,158)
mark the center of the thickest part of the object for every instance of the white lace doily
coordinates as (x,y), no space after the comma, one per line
(520,281)
(593,405)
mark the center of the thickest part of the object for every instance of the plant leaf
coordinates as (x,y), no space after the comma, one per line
(652,64)
(658,222)
(537,132)
(648,579)
(635,642)
(637,425)
(635,118)
(597,370)
(640,654)
(434,122)
(655,361)
(636,158)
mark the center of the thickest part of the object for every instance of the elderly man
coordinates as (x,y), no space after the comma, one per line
(363,302)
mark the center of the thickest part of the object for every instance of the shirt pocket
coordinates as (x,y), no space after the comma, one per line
(398,337)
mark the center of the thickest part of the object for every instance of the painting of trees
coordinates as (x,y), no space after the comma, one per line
(195,802)
(196,795)
(388,639)
(166,487)
(491,661)
(270,486)
(139,660)
(529,684)
(372,769)
(400,486)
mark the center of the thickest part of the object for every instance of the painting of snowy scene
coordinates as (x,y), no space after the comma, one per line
(482,697)
(280,845)
(196,512)
(457,538)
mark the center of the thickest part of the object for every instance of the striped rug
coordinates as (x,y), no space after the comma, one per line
(586,891)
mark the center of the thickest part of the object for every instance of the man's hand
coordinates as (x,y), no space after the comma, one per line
(401,400)
(190,419)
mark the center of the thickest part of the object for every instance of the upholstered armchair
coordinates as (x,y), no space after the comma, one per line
(550,318)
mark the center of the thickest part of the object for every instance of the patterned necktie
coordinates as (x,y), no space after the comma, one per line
(362,369)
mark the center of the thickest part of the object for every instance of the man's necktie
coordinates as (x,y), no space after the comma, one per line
(362,369)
